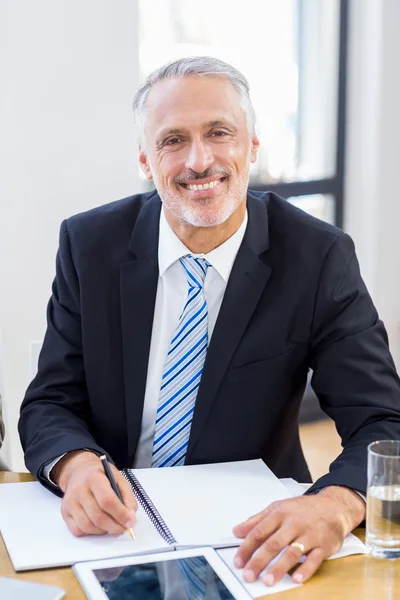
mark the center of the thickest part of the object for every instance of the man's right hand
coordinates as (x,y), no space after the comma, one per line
(90,506)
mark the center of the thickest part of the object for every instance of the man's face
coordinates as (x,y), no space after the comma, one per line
(197,148)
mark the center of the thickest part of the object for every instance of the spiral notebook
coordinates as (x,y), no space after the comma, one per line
(179,507)
(199,505)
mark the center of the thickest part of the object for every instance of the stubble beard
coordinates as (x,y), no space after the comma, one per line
(207,212)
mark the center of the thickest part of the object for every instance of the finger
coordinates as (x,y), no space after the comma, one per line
(257,536)
(84,523)
(101,521)
(88,516)
(310,565)
(288,559)
(72,526)
(109,503)
(263,529)
(242,529)
(267,551)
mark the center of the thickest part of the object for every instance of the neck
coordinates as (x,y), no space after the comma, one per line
(201,240)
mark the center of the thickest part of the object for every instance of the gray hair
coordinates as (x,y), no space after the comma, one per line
(205,66)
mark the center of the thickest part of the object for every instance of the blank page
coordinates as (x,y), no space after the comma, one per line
(201,503)
(36,536)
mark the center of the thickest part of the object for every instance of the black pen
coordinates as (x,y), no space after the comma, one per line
(113,483)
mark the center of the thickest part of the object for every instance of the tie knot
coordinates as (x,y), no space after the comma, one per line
(195,270)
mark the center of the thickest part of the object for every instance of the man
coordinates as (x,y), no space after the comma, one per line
(183,323)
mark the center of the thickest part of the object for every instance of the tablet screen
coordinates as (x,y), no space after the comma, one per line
(184,579)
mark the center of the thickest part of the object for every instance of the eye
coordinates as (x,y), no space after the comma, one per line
(219,133)
(172,141)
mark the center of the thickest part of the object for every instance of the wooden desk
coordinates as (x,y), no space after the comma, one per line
(351,578)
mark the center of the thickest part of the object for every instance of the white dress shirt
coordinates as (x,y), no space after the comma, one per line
(172,290)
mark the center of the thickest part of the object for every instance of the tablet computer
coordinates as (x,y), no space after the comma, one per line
(181,575)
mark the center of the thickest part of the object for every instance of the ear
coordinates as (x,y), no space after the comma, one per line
(144,163)
(255,144)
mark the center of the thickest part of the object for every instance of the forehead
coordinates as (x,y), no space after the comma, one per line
(190,101)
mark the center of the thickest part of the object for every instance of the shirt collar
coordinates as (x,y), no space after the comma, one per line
(171,249)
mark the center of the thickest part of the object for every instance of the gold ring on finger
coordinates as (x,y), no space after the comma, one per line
(299,546)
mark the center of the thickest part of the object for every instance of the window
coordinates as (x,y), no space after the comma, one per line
(291,52)
(321,206)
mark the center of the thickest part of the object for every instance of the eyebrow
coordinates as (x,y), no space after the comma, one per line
(220,123)
(208,125)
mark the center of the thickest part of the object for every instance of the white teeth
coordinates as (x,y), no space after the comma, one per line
(204,186)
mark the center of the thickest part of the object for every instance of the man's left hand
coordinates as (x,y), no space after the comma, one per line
(317,522)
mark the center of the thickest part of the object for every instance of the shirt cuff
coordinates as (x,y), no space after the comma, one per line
(363,496)
(48,468)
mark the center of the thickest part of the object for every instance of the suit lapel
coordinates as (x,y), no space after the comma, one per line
(247,281)
(138,281)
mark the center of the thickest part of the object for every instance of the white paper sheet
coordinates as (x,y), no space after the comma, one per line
(257,588)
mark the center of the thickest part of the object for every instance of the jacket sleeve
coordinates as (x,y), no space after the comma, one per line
(55,413)
(354,375)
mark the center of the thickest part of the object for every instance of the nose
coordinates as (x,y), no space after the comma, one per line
(200,156)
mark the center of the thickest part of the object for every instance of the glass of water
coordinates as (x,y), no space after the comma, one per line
(383,499)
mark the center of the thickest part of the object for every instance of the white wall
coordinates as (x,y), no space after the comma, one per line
(373,154)
(68,72)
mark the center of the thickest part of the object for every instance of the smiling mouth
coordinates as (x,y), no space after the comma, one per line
(203,186)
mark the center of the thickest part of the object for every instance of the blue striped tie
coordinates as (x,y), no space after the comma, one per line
(182,372)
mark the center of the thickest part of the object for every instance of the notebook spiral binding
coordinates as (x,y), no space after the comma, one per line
(148,507)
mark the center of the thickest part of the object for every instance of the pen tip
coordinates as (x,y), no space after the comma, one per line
(130,531)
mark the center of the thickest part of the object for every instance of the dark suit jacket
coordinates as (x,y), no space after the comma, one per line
(295,300)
